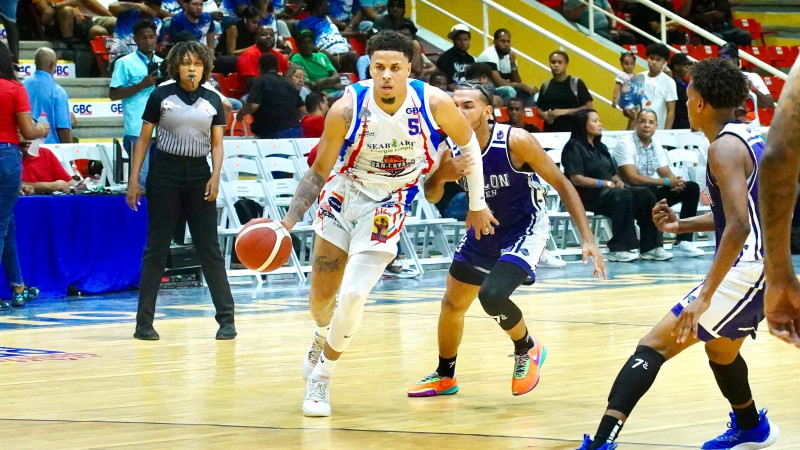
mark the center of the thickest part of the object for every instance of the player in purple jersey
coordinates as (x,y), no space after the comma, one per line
(779,195)
(728,305)
(494,266)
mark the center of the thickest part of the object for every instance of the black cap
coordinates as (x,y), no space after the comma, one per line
(729,51)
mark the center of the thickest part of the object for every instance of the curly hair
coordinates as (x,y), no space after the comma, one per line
(719,83)
(390,40)
(181,51)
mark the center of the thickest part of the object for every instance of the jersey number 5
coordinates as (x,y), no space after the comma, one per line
(413,126)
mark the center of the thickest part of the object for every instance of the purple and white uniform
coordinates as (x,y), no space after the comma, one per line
(737,306)
(517,200)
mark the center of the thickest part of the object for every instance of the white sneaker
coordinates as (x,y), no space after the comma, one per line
(312,355)
(657,254)
(317,402)
(687,249)
(548,259)
(623,256)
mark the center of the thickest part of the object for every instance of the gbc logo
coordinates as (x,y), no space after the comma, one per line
(62,71)
(82,109)
(413,110)
(116,108)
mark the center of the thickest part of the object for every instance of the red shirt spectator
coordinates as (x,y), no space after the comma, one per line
(247,66)
(312,155)
(43,168)
(15,99)
(312,125)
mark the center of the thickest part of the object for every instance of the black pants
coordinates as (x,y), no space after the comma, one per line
(176,187)
(623,206)
(689,198)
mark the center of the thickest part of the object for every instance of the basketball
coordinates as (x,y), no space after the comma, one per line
(263,245)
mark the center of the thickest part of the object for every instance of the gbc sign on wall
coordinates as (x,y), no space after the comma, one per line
(64,69)
(95,107)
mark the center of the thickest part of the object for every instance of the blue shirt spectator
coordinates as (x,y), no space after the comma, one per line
(49,98)
(128,71)
(171,6)
(199,29)
(344,10)
(123,43)
(234,7)
(327,36)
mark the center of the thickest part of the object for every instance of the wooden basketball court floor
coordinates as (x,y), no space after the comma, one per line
(73,377)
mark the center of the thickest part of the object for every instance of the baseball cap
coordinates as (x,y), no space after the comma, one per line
(458,28)
(729,51)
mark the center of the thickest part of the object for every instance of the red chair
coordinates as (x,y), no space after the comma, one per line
(701,52)
(532,118)
(231,86)
(359,46)
(775,86)
(348,78)
(754,27)
(765,116)
(555,4)
(781,55)
(501,115)
(760,52)
(636,49)
(239,129)
(291,40)
(101,55)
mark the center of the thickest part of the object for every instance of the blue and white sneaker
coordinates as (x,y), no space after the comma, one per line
(762,436)
(587,441)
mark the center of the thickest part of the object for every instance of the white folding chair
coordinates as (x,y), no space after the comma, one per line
(235,168)
(550,141)
(684,162)
(666,139)
(304,145)
(277,147)
(273,166)
(241,148)
(69,153)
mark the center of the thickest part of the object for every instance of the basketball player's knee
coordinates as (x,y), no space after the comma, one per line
(719,355)
(656,342)
(351,301)
(451,306)
(492,299)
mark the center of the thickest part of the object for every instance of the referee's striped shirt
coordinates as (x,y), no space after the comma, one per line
(184,119)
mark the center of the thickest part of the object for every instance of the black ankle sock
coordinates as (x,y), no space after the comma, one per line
(521,346)
(607,431)
(747,418)
(447,367)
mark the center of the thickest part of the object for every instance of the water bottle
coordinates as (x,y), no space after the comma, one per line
(33,150)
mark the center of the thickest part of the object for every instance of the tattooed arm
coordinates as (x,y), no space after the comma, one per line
(780,167)
(336,124)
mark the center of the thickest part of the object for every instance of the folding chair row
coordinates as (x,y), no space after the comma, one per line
(67,154)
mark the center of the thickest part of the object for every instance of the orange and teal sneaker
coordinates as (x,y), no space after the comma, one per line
(526,369)
(433,385)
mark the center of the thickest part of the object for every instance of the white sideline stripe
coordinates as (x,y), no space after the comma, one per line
(280,233)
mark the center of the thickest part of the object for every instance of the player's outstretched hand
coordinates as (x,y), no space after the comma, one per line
(483,222)
(665,218)
(454,168)
(590,250)
(782,307)
(689,320)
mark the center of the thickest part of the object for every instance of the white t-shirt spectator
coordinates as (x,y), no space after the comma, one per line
(647,159)
(761,87)
(490,56)
(656,92)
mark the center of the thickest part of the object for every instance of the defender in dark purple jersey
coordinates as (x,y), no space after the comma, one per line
(492,267)
(728,305)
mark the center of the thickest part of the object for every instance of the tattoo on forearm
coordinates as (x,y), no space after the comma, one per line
(348,117)
(307,193)
(326,264)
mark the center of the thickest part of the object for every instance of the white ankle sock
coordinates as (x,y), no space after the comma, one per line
(324,368)
(322,331)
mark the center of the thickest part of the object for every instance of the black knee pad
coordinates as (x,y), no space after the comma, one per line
(496,290)
(635,379)
(732,380)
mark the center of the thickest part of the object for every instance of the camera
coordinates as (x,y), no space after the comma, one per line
(152,67)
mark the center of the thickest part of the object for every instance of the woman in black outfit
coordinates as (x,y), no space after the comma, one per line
(588,165)
(190,121)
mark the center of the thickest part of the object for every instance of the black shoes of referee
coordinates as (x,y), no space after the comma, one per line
(226,332)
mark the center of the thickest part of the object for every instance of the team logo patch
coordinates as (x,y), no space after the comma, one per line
(500,134)
(380,228)
(166,105)
(394,164)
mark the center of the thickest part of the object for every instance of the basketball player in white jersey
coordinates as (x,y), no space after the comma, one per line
(727,306)
(778,194)
(378,139)
(492,268)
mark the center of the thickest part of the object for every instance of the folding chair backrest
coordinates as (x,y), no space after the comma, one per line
(235,167)
(68,153)
(279,168)
(277,147)
(550,141)
(304,145)
(666,139)
(241,148)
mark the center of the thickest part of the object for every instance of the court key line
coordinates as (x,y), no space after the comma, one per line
(265,427)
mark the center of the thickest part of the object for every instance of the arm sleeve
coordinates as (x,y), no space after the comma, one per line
(475,184)
(583,93)
(623,153)
(571,160)
(152,111)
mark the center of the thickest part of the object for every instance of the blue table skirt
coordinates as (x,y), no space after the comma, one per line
(94,242)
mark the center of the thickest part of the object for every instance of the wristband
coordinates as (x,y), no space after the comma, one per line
(599,183)
(666,181)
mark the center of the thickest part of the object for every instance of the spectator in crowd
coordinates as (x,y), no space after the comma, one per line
(505,71)
(47,97)
(328,39)
(758,97)
(577,11)
(642,161)
(626,89)
(658,89)
(320,72)
(268,18)
(15,115)
(373,9)
(716,17)
(128,14)
(194,20)
(482,72)
(316,109)
(516,113)
(171,6)
(454,61)
(588,164)
(248,64)
(562,96)
(235,7)
(180,183)
(297,76)
(395,17)
(420,64)
(86,18)
(439,79)
(8,14)
(649,20)
(43,173)
(240,34)
(679,66)
(347,16)
(274,102)
(132,81)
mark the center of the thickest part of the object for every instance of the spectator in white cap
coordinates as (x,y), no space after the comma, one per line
(454,61)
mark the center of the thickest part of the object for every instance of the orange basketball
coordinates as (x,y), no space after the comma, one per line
(263,245)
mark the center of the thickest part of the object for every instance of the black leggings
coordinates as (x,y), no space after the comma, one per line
(623,206)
